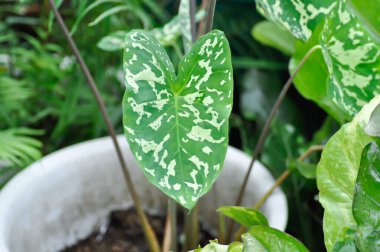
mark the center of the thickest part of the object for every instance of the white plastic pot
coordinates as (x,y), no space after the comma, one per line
(68,194)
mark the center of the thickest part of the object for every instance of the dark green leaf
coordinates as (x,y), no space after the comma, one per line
(346,242)
(366,204)
(247,217)
(307,170)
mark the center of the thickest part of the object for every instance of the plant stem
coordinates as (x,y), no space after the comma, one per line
(278,182)
(192,21)
(191,229)
(170,236)
(201,26)
(148,230)
(210,15)
(265,131)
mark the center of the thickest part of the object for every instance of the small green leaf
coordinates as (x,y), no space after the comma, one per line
(299,17)
(112,42)
(366,205)
(247,217)
(271,239)
(271,35)
(177,127)
(235,247)
(337,171)
(108,13)
(346,243)
(373,126)
(306,169)
(214,246)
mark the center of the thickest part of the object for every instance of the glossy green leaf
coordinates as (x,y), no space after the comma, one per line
(235,247)
(112,42)
(373,126)
(247,217)
(353,60)
(271,35)
(300,17)
(251,244)
(307,170)
(177,127)
(346,242)
(337,172)
(366,205)
(270,239)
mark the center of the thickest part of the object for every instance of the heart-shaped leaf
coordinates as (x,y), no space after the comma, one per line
(177,127)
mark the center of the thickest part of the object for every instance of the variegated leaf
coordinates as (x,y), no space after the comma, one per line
(353,60)
(300,17)
(177,127)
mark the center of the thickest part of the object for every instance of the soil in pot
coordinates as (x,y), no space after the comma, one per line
(124,233)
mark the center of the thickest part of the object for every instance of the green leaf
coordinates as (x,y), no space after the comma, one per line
(346,242)
(368,12)
(214,246)
(300,17)
(307,170)
(108,13)
(251,244)
(353,60)
(270,239)
(311,80)
(247,217)
(112,42)
(271,35)
(18,147)
(366,205)
(235,247)
(177,127)
(337,171)
(373,126)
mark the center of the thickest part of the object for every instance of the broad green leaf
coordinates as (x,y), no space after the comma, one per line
(271,239)
(311,80)
(346,242)
(112,42)
(366,205)
(300,17)
(353,60)
(368,12)
(373,126)
(271,35)
(177,127)
(307,170)
(247,217)
(251,244)
(214,246)
(337,172)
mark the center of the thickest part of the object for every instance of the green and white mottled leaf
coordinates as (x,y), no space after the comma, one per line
(177,127)
(312,78)
(247,217)
(300,17)
(271,35)
(373,126)
(337,172)
(270,239)
(214,246)
(353,60)
(366,205)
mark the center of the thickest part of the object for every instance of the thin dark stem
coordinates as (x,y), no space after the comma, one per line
(210,15)
(172,206)
(149,233)
(192,20)
(265,131)
(202,21)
